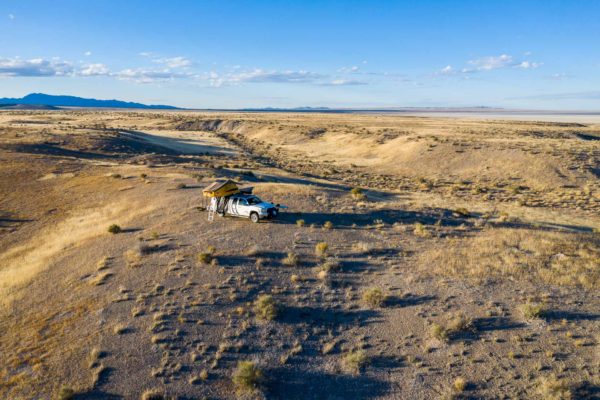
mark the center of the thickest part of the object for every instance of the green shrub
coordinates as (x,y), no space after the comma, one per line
(114,229)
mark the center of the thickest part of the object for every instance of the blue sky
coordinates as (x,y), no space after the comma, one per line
(232,54)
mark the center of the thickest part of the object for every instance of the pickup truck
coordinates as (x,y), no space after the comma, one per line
(250,206)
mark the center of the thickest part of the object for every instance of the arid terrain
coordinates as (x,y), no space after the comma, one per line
(419,257)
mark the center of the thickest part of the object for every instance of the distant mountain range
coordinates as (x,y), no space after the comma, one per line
(41,99)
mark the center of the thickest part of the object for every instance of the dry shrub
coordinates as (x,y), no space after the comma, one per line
(321,249)
(154,394)
(331,265)
(354,361)
(459,385)
(421,231)
(247,376)
(266,308)
(291,260)
(555,258)
(358,194)
(66,393)
(373,297)
(533,310)
(552,388)
(362,247)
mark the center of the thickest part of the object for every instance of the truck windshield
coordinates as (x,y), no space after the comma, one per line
(254,200)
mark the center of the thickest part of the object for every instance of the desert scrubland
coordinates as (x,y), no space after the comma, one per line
(419,257)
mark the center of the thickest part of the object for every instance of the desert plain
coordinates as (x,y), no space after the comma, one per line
(419,257)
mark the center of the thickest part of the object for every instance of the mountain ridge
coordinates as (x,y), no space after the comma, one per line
(74,101)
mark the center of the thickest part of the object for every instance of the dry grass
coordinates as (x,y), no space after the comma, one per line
(358,194)
(533,310)
(66,393)
(421,231)
(266,308)
(247,376)
(373,297)
(291,260)
(538,256)
(552,388)
(459,385)
(456,324)
(154,394)
(23,262)
(354,361)
(321,249)
(100,279)
(204,257)
(362,247)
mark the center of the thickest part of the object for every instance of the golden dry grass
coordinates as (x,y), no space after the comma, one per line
(539,256)
(23,262)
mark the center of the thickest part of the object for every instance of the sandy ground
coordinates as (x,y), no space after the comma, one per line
(462,261)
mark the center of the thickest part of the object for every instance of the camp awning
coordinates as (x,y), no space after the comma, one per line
(220,188)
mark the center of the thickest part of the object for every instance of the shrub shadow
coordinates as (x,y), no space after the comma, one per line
(325,316)
(293,384)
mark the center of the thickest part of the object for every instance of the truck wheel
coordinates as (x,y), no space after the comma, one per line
(254,217)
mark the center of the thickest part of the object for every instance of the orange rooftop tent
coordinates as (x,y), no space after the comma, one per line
(221,188)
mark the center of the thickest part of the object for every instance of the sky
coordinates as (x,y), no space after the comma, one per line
(340,54)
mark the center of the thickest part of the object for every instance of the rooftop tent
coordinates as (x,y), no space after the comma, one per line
(220,188)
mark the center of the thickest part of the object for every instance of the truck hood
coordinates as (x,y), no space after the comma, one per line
(264,205)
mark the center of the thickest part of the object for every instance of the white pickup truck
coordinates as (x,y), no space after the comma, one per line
(250,206)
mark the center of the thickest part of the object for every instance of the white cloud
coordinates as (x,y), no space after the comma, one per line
(94,70)
(349,69)
(503,61)
(344,82)
(87,53)
(35,67)
(141,75)
(447,70)
(174,62)
(529,65)
(262,76)
(493,62)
